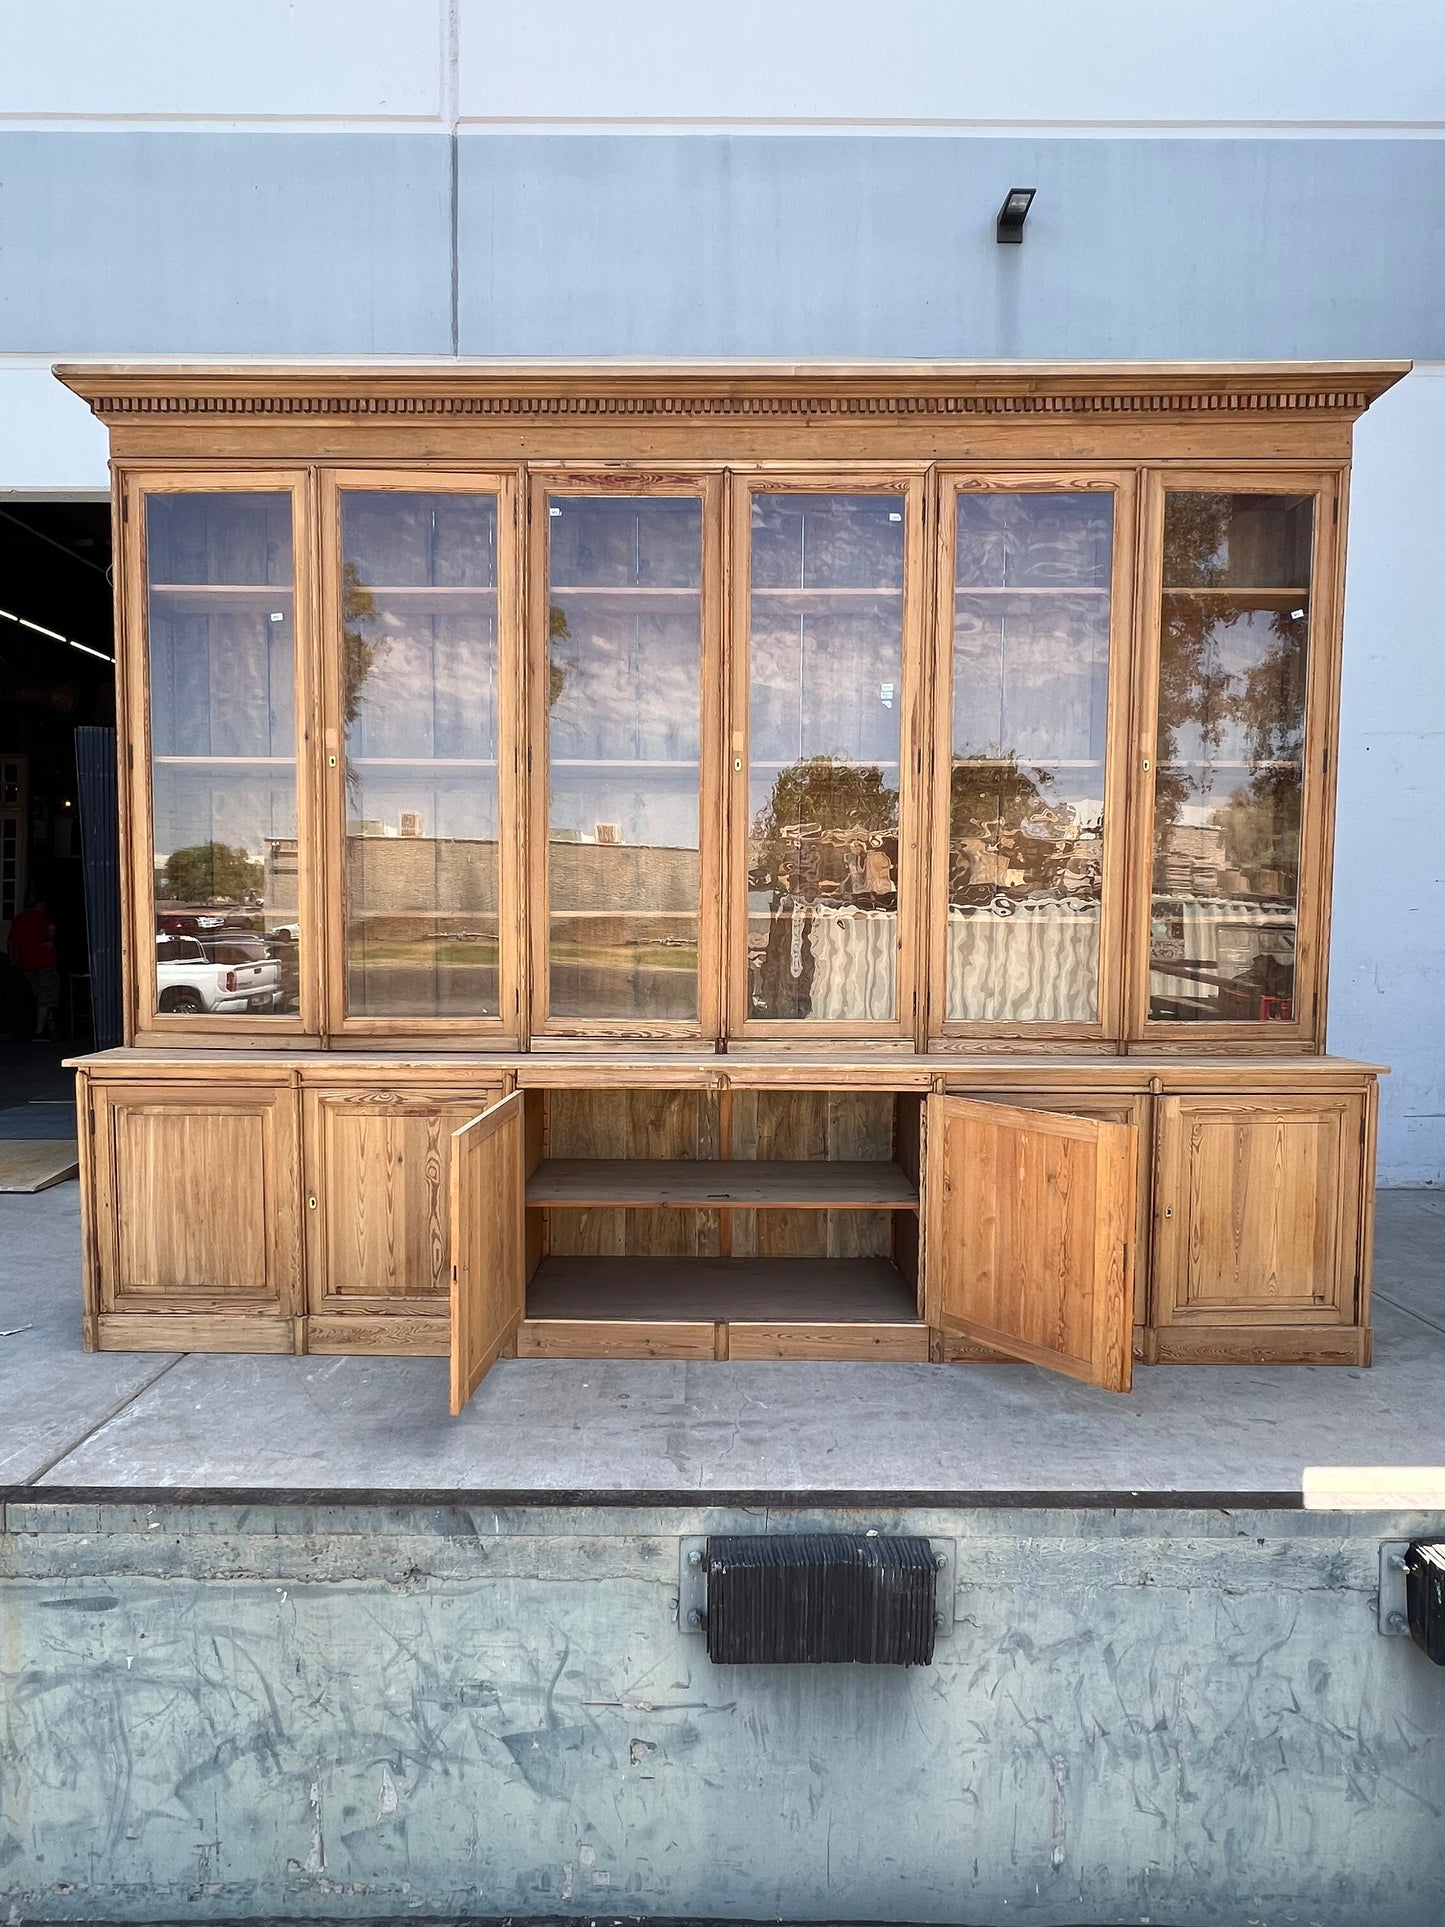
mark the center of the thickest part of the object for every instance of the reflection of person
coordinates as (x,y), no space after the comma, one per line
(32,946)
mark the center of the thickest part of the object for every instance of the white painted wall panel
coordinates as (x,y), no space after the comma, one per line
(1387,976)
(296,58)
(50,443)
(1033,61)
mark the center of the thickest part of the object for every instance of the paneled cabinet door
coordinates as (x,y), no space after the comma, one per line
(196,1216)
(488,1214)
(378,1170)
(1029,1235)
(1257,1210)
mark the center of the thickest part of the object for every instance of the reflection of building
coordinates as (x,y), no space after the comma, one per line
(643,891)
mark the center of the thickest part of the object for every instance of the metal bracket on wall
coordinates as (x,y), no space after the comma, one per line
(1393,1616)
(692,1584)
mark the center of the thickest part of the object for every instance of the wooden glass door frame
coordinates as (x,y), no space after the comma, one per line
(144,1023)
(580,483)
(1305,1031)
(445,1033)
(911,481)
(941,1033)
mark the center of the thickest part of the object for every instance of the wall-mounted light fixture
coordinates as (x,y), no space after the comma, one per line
(1014,212)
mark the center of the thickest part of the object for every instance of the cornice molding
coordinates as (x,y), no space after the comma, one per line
(745,392)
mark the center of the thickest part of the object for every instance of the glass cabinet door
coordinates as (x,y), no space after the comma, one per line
(823,791)
(626,700)
(418,688)
(1228,854)
(1029,796)
(221,881)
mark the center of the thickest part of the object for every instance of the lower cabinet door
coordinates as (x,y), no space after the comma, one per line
(488,1215)
(197,1233)
(1257,1215)
(1029,1235)
(378,1238)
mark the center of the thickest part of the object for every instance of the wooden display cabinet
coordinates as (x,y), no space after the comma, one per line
(737,861)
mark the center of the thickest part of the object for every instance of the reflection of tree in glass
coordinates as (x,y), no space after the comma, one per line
(358,650)
(1193,688)
(820,794)
(557,632)
(211,873)
(990,799)
(1261,821)
(1267,702)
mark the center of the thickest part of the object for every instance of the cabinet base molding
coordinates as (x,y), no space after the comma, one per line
(1263,1345)
(178,1331)
(614,1338)
(378,1335)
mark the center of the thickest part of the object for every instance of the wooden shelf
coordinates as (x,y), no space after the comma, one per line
(675,1290)
(223,762)
(634,591)
(421,762)
(1244,595)
(795,1185)
(691,764)
(864,592)
(207,597)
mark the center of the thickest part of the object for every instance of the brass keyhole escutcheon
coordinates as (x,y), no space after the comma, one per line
(311,1204)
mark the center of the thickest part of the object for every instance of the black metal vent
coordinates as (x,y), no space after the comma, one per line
(811,1598)
(1425,1596)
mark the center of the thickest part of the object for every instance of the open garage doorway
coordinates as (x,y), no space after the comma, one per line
(57,677)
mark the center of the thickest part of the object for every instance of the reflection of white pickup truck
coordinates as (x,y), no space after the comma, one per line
(222,973)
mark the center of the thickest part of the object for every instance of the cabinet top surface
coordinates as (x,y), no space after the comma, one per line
(118,391)
(618,1065)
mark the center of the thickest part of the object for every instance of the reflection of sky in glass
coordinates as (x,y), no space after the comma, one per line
(1233,646)
(1031,675)
(222,670)
(623,735)
(825,667)
(420,611)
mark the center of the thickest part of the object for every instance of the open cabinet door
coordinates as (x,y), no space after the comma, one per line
(1030,1217)
(488,1262)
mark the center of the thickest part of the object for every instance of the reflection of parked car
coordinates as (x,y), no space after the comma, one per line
(215,973)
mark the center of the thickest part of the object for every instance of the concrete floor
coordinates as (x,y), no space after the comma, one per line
(673,1431)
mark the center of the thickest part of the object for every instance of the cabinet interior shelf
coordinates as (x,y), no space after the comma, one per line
(1024,761)
(1243,594)
(731,1290)
(1030,589)
(261,594)
(732,1183)
(421,762)
(220,761)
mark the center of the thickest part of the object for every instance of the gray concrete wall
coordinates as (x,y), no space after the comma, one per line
(1188,1717)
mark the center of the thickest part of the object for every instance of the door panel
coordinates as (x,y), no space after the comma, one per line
(378,1166)
(488,1178)
(206,1180)
(1257,1209)
(1029,1246)
(1112,1107)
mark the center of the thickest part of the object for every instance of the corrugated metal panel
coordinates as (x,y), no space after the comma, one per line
(95,771)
